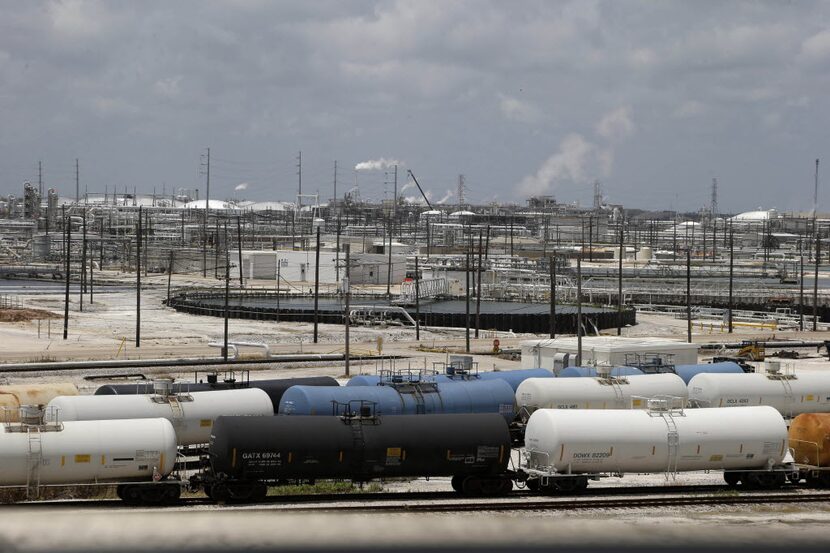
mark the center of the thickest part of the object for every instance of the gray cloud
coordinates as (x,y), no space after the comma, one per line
(653,98)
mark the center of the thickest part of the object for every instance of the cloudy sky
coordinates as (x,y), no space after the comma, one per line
(653,99)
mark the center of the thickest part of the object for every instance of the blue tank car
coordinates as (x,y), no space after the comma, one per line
(579,372)
(513,378)
(687,372)
(476,396)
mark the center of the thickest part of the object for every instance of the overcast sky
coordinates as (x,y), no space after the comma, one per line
(652,98)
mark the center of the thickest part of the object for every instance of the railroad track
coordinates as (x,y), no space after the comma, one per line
(597,498)
(572,504)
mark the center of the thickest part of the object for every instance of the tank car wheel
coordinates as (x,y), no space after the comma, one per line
(572,484)
(457,483)
(207,491)
(119,491)
(471,485)
(766,480)
(732,478)
(219,492)
(132,495)
(152,495)
(532,484)
(259,492)
(171,493)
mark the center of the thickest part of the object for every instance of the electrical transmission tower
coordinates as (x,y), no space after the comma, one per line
(714,204)
(597,195)
(461,189)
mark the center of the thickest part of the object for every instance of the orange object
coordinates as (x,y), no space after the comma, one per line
(810,439)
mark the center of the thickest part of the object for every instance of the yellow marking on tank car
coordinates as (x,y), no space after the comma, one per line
(340,457)
(403,455)
(393,452)
(810,397)
(161,463)
(63,460)
(716,458)
(290,456)
(205,422)
(233,458)
(85,458)
(637,402)
(103,460)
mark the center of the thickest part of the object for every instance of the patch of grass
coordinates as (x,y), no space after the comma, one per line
(324,487)
(17,495)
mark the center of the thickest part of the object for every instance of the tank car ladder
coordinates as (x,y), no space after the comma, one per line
(673,442)
(35,459)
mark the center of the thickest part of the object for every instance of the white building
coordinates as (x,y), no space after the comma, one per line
(603,351)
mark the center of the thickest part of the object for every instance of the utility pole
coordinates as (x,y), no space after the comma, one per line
(169,275)
(620,281)
(815,282)
(478,282)
(389,266)
(335,187)
(347,290)
(801,292)
(467,300)
(227,293)
(579,310)
(395,197)
(553,296)
(206,214)
(77,183)
(82,283)
(316,284)
(688,295)
(67,249)
(239,241)
(40,179)
(417,301)
(138,283)
(731,275)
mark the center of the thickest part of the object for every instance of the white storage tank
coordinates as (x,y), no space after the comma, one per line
(607,441)
(13,396)
(80,452)
(790,394)
(192,414)
(627,392)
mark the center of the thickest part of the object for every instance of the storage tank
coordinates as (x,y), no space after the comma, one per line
(582,372)
(311,447)
(585,441)
(599,393)
(77,452)
(274,388)
(192,415)
(687,372)
(12,396)
(491,396)
(809,438)
(512,377)
(790,394)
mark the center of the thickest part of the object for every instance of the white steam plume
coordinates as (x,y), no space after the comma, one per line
(376,164)
(241,186)
(446,197)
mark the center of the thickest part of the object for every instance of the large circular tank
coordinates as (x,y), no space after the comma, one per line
(584,441)
(629,392)
(301,447)
(12,396)
(790,394)
(583,372)
(512,377)
(492,396)
(89,451)
(274,388)
(687,372)
(192,415)
(809,438)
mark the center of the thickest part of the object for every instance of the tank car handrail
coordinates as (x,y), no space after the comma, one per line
(818,450)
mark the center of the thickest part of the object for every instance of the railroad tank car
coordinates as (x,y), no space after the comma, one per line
(582,372)
(13,396)
(512,377)
(687,372)
(492,396)
(790,394)
(747,443)
(274,387)
(809,439)
(247,452)
(598,393)
(84,452)
(192,415)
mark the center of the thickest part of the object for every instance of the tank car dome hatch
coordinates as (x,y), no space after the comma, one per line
(583,372)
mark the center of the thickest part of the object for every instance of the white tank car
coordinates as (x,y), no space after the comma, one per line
(608,441)
(86,451)
(790,394)
(598,393)
(192,414)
